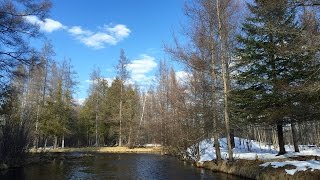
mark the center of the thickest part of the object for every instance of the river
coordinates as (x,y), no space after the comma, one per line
(113,166)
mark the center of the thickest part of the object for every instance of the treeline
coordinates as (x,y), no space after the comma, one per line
(256,77)
(22,70)
(111,113)
(39,103)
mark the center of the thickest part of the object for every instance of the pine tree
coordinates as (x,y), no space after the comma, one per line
(273,64)
(113,96)
(123,75)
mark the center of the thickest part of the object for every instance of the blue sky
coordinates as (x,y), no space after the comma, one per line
(91,33)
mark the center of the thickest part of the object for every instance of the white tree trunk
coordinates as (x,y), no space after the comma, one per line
(62,142)
(225,82)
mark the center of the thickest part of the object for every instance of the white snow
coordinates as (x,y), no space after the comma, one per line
(300,165)
(252,150)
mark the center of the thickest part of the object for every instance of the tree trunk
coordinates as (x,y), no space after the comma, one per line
(225,82)
(62,142)
(129,138)
(36,140)
(55,142)
(141,119)
(294,137)
(120,117)
(233,145)
(96,143)
(282,149)
(214,106)
(45,143)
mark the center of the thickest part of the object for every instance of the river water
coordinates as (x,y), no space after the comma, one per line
(113,166)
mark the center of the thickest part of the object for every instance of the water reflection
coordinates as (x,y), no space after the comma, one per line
(113,166)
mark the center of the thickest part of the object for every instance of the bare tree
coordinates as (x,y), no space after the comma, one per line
(225,12)
(15,32)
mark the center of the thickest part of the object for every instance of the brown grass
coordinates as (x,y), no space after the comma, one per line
(127,150)
(156,150)
(251,170)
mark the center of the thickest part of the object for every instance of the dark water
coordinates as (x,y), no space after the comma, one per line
(113,166)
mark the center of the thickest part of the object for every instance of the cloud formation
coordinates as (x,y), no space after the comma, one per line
(108,35)
(46,25)
(140,69)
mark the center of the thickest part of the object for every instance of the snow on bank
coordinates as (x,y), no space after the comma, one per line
(246,149)
(300,165)
(252,150)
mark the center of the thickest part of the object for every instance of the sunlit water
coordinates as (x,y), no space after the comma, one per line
(113,166)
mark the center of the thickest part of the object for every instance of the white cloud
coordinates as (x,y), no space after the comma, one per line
(98,40)
(46,25)
(120,31)
(140,68)
(142,65)
(108,35)
(77,30)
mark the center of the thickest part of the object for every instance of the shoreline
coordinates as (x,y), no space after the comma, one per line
(251,169)
(155,150)
(34,156)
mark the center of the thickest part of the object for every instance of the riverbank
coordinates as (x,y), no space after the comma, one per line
(256,160)
(251,169)
(152,150)
(35,156)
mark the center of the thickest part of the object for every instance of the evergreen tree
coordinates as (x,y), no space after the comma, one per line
(123,75)
(273,65)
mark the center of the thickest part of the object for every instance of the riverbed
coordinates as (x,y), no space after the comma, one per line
(113,166)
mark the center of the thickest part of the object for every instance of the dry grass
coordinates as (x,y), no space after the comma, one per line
(250,169)
(156,150)
(127,150)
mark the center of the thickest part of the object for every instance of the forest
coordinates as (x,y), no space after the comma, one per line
(253,71)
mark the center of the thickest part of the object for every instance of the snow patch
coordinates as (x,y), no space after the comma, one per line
(300,165)
(252,150)
(245,149)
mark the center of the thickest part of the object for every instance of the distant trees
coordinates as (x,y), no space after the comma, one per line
(112,111)
(261,84)
(166,120)
(39,105)
(94,111)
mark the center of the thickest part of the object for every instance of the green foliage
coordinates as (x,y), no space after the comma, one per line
(14,130)
(103,101)
(274,66)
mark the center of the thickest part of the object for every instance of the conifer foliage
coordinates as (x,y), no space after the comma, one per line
(274,65)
